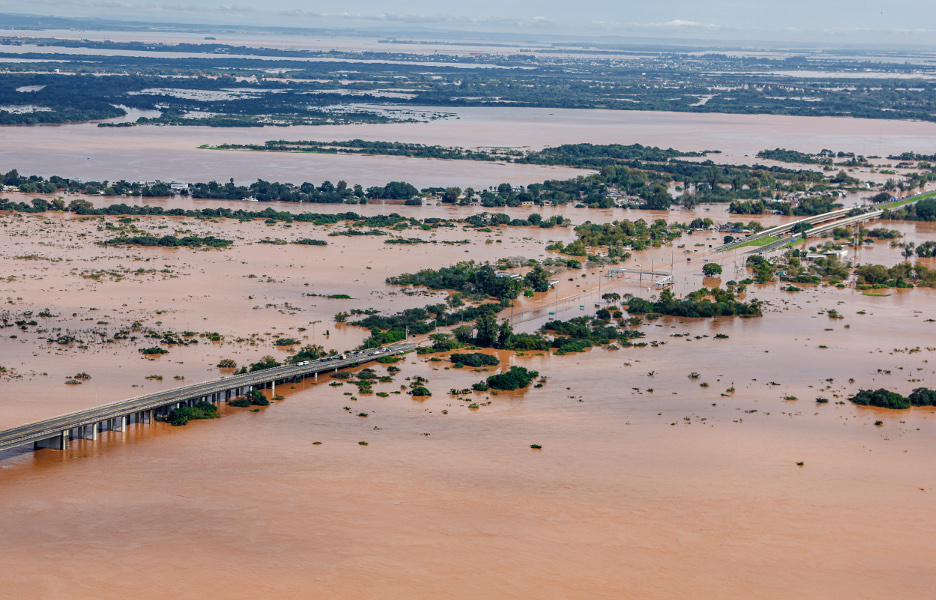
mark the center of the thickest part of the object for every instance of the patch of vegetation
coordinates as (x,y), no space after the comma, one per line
(882,398)
(618,235)
(169,241)
(155,350)
(702,303)
(251,398)
(467,277)
(902,275)
(475,359)
(513,379)
(183,414)
(267,362)
(581,333)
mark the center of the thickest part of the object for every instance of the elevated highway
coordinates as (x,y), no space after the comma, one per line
(57,431)
(821,224)
(786,228)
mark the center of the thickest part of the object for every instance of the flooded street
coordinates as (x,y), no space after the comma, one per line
(648,484)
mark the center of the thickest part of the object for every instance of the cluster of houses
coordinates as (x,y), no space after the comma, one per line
(517,276)
(839,254)
(175,186)
(622,200)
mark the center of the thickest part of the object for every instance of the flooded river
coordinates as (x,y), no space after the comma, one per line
(171,153)
(648,484)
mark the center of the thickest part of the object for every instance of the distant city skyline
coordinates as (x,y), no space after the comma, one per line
(861,22)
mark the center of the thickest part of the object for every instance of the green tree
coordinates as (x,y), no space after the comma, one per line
(486,327)
(463,333)
(711,269)
(450,195)
(658,199)
(308,352)
(79,204)
(267,362)
(537,279)
(504,333)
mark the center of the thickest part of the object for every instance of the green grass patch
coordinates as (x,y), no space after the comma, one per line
(899,203)
(762,241)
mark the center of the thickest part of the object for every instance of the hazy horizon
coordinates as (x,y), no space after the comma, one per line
(795,21)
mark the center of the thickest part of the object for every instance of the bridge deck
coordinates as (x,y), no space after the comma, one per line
(834,215)
(48,428)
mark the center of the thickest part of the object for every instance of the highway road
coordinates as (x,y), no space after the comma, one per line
(829,220)
(48,428)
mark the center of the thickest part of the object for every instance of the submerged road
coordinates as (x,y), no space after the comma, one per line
(58,428)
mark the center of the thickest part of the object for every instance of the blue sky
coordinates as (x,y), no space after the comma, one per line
(832,21)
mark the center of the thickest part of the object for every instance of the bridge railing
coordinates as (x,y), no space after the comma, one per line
(53,426)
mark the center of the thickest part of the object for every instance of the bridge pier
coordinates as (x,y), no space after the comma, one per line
(56,433)
(57,442)
(115,424)
(84,432)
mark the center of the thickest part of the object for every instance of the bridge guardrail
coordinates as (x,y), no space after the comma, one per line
(50,427)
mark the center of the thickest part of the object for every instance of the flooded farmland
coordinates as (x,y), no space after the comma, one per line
(648,484)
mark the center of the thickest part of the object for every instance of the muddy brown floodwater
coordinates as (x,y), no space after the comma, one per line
(171,153)
(648,484)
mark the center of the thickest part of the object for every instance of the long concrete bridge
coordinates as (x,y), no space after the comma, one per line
(116,416)
(833,215)
(821,224)
(818,231)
